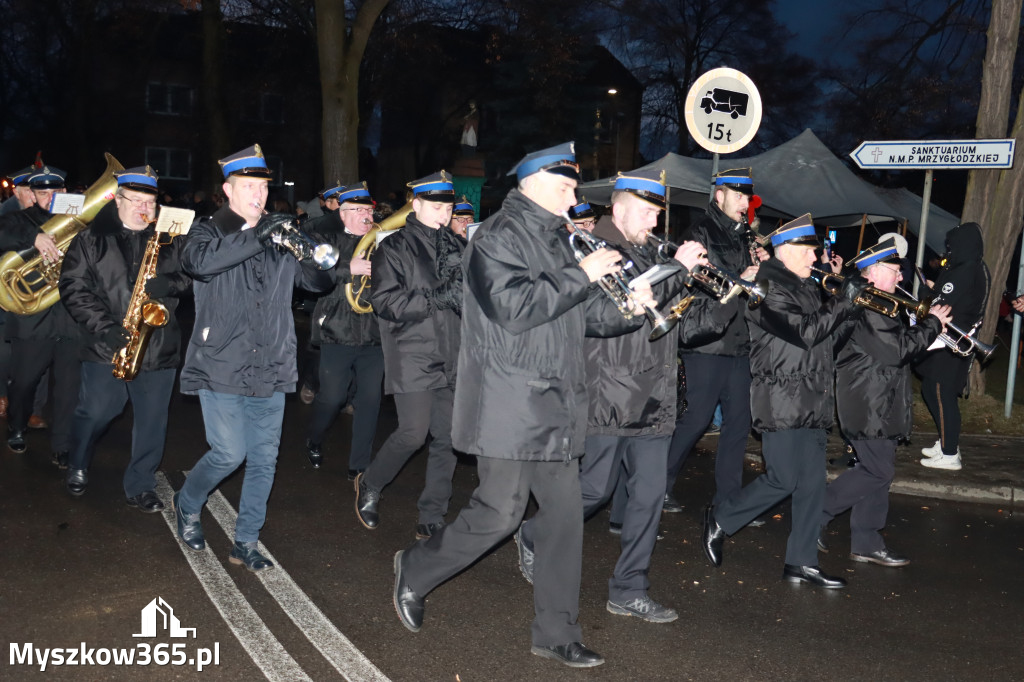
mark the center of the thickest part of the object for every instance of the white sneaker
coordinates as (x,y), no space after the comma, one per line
(933,451)
(950,462)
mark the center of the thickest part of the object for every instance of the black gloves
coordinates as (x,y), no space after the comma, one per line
(116,337)
(853,287)
(158,286)
(448,254)
(271,224)
(448,296)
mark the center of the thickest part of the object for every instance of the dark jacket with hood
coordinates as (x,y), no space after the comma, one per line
(792,336)
(97,281)
(522,391)
(727,248)
(419,334)
(244,337)
(963,284)
(334,321)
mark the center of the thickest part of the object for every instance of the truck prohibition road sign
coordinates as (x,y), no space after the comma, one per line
(723,110)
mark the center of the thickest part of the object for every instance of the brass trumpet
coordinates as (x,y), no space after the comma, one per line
(960,342)
(615,285)
(716,282)
(871,298)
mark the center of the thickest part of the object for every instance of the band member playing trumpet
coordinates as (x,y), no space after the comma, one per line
(583,215)
(873,397)
(522,401)
(631,390)
(462,216)
(416,292)
(241,357)
(792,401)
(718,370)
(97,283)
(963,284)
(43,339)
(349,342)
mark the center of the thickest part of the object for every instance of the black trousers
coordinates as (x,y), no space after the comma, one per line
(643,460)
(865,490)
(29,360)
(795,465)
(340,366)
(493,513)
(419,414)
(101,398)
(711,379)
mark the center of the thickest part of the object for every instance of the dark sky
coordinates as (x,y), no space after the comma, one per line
(812,20)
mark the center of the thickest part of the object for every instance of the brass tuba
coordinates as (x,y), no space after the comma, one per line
(28,284)
(356,290)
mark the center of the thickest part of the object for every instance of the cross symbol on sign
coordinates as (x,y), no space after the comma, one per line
(876,152)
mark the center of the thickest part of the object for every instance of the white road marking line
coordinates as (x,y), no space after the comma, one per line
(266,652)
(318,629)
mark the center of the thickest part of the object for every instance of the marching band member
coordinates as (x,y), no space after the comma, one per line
(792,401)
(462,215)
(349,342)
(631,387)
(521,401)
(963,285)
(241,357)
(416,293)
(583,216)
(873,397)
(97,284)
(718,371)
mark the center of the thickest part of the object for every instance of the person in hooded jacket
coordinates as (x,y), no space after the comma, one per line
(873,400)
(349,341)
(718,370)
(792,400)
(963,284)
(416,293)
(96,284)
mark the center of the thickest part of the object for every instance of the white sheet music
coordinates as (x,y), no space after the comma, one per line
(176,221)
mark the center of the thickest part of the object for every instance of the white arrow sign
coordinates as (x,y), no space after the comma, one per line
(935,154)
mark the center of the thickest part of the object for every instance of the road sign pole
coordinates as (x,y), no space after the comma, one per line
(926,201)
(714,172)
(1011,373)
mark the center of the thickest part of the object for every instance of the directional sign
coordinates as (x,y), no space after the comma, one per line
(723,110)
(935,154)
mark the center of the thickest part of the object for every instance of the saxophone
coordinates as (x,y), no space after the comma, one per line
(143,316)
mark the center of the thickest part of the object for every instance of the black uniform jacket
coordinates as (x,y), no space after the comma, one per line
(727,248)
(963,285)
(244,337)
(522,391)
(873,387)
(19,231)
(631,381)
(792,334)
(420,342)
(334,321)
(97,281)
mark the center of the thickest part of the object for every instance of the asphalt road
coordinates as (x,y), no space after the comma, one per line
(78,573)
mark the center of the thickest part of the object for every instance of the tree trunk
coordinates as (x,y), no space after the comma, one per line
(213,134)
(995,198)
(341,53)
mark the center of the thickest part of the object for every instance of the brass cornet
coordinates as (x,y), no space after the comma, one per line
(615,285)
(871,298)
(960,342)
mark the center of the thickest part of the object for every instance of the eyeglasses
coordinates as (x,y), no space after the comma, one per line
(589,222)
(139,203)
(891,268)
(462,218)
(365,209)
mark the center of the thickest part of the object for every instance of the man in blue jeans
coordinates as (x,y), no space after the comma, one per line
(241,357)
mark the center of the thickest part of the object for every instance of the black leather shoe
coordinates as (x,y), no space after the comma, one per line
(16,441)
(573,654)
(146,502)
(367,502)
(247,554)
(882,557)
(670,505)
(408,604)
(712,538)
(60,460)
(352,473)
(853,461)
(812,575)
(822,542)
(76,481)
(189,529)
(426,530)
(313,454)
